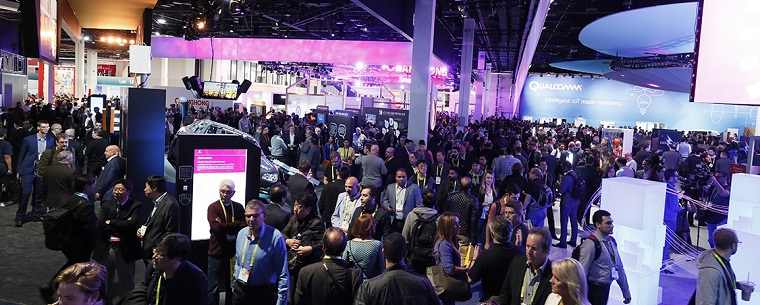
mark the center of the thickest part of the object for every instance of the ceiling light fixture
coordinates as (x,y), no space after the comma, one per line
(200,25)
(161,21)
(86,38)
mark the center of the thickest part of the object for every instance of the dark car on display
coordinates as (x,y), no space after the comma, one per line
(271,172)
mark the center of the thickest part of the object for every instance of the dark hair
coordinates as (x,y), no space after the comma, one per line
(157,183)
(3,132)
(61,136)
(428,199)
(545,235)
(724,238)
(304,166)
(277,192)
(394,247)
(363,227)
(598,215)
(344,172)
(670,173)
(307,200)
(334,241)
(175,245)
(40,122)
(123,182)
(257,204)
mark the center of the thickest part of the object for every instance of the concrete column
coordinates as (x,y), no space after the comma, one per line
(92,72)
(465,77)
(478,114)
(79,69)
(422,50)
(164,71)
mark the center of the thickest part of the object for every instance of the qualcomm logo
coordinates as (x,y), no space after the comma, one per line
(535,85)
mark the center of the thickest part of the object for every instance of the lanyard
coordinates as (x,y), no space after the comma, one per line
(253,255)
(158,288)
(424,179)
(725,268)
(232,211)
(332,170)
(439,170)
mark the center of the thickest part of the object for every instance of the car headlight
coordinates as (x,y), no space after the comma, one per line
(269,177)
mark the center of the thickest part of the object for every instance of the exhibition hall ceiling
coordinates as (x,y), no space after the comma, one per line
(110,14)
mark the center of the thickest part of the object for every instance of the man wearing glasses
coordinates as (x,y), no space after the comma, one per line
(225,219)
(261,267)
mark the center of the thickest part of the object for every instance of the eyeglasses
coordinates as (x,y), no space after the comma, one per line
(252,215)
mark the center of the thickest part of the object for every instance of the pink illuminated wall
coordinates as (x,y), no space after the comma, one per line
(290,50)
(728,57)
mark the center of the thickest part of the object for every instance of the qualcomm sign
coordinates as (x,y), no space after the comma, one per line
(536,85)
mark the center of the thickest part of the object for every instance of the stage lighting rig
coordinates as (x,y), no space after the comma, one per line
(685,60)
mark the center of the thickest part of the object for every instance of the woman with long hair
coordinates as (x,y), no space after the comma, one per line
(488,195)
(446,249)
(568,283)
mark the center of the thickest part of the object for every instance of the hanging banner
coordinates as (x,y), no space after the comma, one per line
(665,138)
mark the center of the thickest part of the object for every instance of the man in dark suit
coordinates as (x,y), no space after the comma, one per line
(113,171)
(394,163)
(298,184)
(331,281)
(95,152)
(398,200)
(533,269)
(329,197)
(293,138)
(121,218)
(32,148)
(58,178)
(163,220)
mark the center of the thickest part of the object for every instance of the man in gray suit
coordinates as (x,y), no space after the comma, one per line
(373,168)
(398,200)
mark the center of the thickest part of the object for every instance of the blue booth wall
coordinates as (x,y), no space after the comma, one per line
(598,100)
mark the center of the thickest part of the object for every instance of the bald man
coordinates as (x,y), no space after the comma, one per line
(332,280)
(347,202)
(114,170)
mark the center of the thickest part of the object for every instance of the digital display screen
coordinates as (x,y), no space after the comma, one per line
(727,53)
(48,34)
(279,99)
(212,89)
(97,101)
(210,168)
(230,91)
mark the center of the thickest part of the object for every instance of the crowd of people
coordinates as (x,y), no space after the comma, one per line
(393,221)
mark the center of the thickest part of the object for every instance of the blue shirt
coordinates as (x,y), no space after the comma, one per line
(270,264)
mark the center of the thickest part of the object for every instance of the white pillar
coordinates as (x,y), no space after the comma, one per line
(79,69)
(92,71)
(164,72)
(422,50)
(49,83)
(465,76)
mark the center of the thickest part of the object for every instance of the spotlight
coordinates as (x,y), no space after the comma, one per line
(200,25)
(161,21)
(86,38)
(111,39)
(102,39)
(131,41)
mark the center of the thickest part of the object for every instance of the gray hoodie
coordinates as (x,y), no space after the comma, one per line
(712,287)
(424,212)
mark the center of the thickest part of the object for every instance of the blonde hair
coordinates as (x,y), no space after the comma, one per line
(89,277)
(570,272)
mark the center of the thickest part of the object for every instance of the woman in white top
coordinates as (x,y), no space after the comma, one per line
(568,284)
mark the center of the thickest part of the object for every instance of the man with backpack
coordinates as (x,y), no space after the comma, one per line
(571,189)
(601,260)
(419,232)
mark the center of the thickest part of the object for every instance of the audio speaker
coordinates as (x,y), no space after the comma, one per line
(147,26)
(244,86)
(186,81)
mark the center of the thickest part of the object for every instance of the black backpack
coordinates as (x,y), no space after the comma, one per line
(57,225)
(580,185)
(422,241)
(597,247)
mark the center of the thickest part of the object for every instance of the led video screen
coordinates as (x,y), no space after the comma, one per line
(727,53)
(212,89)
(48,34)
(210,168)
(230,91)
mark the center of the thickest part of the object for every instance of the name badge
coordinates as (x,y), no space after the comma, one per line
(615,274)
(243,275)
(437,180)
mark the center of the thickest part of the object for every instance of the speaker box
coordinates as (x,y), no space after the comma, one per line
(195,84)
(186,81)
(147,25)
(244,86)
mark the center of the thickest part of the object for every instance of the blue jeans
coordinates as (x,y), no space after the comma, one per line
(568,210)
(711,227)
(218,278)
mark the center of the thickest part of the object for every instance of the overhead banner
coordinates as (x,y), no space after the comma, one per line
(596,100)
(387,119)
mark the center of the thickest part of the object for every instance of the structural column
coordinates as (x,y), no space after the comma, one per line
(92,72)
(79,69)
(465,77)
(478,115)
(422,52)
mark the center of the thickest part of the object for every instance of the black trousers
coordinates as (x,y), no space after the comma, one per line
(244,294)
(598,293)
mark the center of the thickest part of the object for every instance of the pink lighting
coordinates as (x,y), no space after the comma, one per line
(339,52)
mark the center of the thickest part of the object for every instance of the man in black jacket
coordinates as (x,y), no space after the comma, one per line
(278,210)
(491,266)
(303,236)
(162,220)
(396,286)
(298,184)
(329,196)
(331,281)
(171,279)
(535,269)
(121,217)
(464,204)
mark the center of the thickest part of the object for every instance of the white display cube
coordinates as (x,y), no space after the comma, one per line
(637,207)
(744,218)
